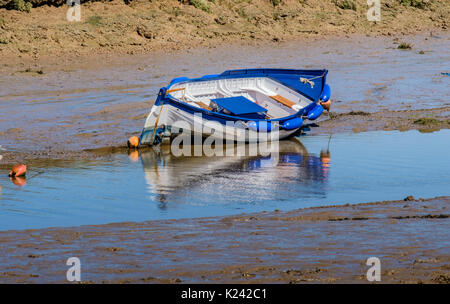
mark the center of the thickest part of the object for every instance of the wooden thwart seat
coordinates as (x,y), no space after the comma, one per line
(202,105)
(174,90)
(282,100)
(199,103)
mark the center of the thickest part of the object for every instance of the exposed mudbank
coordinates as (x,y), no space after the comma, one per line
(136,27)
(426,120)
(114,141)
(320,245)
(79,106)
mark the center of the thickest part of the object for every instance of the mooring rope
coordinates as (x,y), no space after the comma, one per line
(310,80)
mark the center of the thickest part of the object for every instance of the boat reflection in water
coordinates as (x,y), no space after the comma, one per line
(292,173)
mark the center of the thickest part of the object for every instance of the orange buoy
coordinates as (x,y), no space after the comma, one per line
(326,105)
(133,142)
(18,170)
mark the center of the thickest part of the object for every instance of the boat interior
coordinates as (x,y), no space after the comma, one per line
(256,97)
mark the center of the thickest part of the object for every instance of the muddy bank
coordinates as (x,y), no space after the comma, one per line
(89,103)
(426,120)
(322,245)
(136,27)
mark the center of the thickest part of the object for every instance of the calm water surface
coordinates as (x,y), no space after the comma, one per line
(315,171)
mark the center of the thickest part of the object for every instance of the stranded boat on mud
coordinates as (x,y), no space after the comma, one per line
(238,105)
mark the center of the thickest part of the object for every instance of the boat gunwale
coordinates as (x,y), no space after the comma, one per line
(177,102)
(230,74)
(243,74)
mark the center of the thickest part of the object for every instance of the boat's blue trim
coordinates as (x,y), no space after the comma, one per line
(178,79)
(287,77)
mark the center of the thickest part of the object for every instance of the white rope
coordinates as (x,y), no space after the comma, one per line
(309,80)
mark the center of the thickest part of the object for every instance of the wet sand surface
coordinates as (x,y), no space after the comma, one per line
(98,145)
(101,101)
(316,245)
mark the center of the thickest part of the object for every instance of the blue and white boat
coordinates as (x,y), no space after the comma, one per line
(238,105)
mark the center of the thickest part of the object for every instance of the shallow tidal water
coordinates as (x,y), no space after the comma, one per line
(311,171)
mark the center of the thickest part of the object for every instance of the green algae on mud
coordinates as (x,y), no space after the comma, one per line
(402,120)
(427,121)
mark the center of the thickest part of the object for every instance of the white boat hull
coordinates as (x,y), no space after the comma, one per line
(174,121)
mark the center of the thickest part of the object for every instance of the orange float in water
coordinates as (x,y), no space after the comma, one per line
(133,142)
(18,170)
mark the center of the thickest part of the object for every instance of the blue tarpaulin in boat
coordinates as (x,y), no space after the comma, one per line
(239,105)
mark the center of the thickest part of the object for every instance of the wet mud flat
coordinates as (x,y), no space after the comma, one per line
(87,103)
(318,245)
(423,120)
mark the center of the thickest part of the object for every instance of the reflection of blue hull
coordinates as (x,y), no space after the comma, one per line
(171,177)
(255,100)
(312,166)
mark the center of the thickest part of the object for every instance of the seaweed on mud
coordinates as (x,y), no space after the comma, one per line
(360,113)
(415,3)
(338,219)
(441,279)
(30,70)
(201,4)
(427,121)
(404,46)
(345,4)
(275,2)
(19,5)
(427,216)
